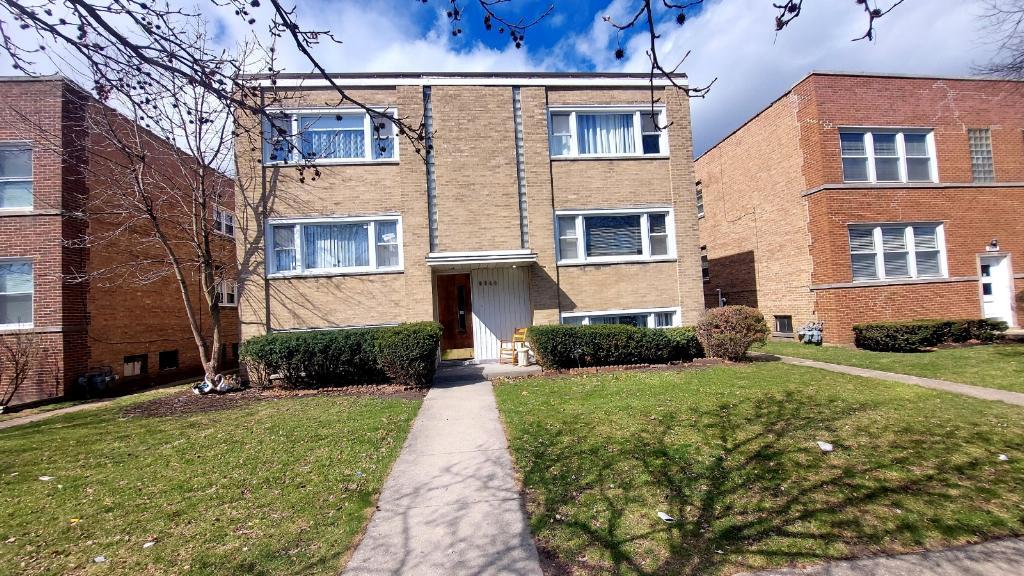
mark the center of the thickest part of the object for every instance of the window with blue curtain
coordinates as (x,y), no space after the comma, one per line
(605,133)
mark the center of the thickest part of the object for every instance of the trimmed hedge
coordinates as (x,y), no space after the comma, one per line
(728,332)
(405,354)
(562,346)
(916,335)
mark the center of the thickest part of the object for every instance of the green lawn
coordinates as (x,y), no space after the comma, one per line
(274,487)
(730,452)
(993,366)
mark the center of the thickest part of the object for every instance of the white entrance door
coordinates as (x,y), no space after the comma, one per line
(996,294)
(501,303)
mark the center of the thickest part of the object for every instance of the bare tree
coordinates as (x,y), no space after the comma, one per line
(19,353)
(132,47)
(1004,24)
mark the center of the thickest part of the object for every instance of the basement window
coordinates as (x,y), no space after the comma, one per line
(168,360)
(136,365)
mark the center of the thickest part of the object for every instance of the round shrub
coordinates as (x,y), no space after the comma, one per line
(728,332)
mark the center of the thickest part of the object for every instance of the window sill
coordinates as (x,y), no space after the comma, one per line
(613,157)
(235,305)
(900,282)
(333,162)
(333,273)
(16,327)
(617,261)
(225,235)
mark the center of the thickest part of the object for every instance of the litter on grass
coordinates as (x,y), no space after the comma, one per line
(46,478)
(1003,457)
(825,446)
(99,559)
(666,517)
(148,544)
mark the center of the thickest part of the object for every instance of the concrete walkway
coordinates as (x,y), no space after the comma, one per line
(954,387)
(451,504)
(996,558)
(29,418)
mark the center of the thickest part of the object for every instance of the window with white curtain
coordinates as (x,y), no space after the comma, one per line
(642,318)
(603,236)
(886,155)
(15,175)
(330,136)
(16,289)
(335,246)
(607,132)
(897,251)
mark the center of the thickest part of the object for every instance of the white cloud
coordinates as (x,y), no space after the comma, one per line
(735,41)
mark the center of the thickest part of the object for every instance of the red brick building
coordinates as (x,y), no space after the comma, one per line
(855,198)
(47,174)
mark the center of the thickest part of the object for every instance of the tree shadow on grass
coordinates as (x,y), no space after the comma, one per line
(750,490)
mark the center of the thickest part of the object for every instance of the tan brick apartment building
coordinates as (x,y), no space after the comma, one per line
(47,173)
(857,197)
(548,198)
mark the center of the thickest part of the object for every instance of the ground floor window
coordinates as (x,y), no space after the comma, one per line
(16,288)
(897,251)
(135,365)
(168,360)
(335,246)
(784,324)
(647,318)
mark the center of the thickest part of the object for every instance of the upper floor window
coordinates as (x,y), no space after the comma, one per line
(16,288)
(603,236)
(884,155)
(224,222)
(980,142)
(897,251)
(227,293)
(15,175)
(700,199)
(330,136)
(607,132)
(335,246)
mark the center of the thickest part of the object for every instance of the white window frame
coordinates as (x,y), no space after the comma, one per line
(651,313)
(220,223)
(225,287)
(301,270)
(901,151)
(368,132)
(32,294)
(638,144)
(581,249)
(22,144)
(909,240)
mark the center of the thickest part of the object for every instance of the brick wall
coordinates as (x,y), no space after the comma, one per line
(755,222)
(768,244)
(477,205)
(84,323)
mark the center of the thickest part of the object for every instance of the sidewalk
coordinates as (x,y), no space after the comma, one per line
(451,504)
(996,558)
(955,387)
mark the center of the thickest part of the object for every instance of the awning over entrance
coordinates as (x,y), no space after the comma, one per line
(481,259)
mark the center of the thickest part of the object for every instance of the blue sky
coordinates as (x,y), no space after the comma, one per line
(731,40)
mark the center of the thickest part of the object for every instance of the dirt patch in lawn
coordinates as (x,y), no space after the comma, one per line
(187,402)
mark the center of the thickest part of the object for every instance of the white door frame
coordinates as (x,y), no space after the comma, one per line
(1007,263)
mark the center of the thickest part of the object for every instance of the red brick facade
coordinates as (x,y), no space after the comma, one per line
(81,325)
(813,208)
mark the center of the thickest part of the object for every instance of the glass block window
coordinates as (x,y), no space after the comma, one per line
(980,142)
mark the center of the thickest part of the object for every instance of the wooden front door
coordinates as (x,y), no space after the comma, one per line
(455,311)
